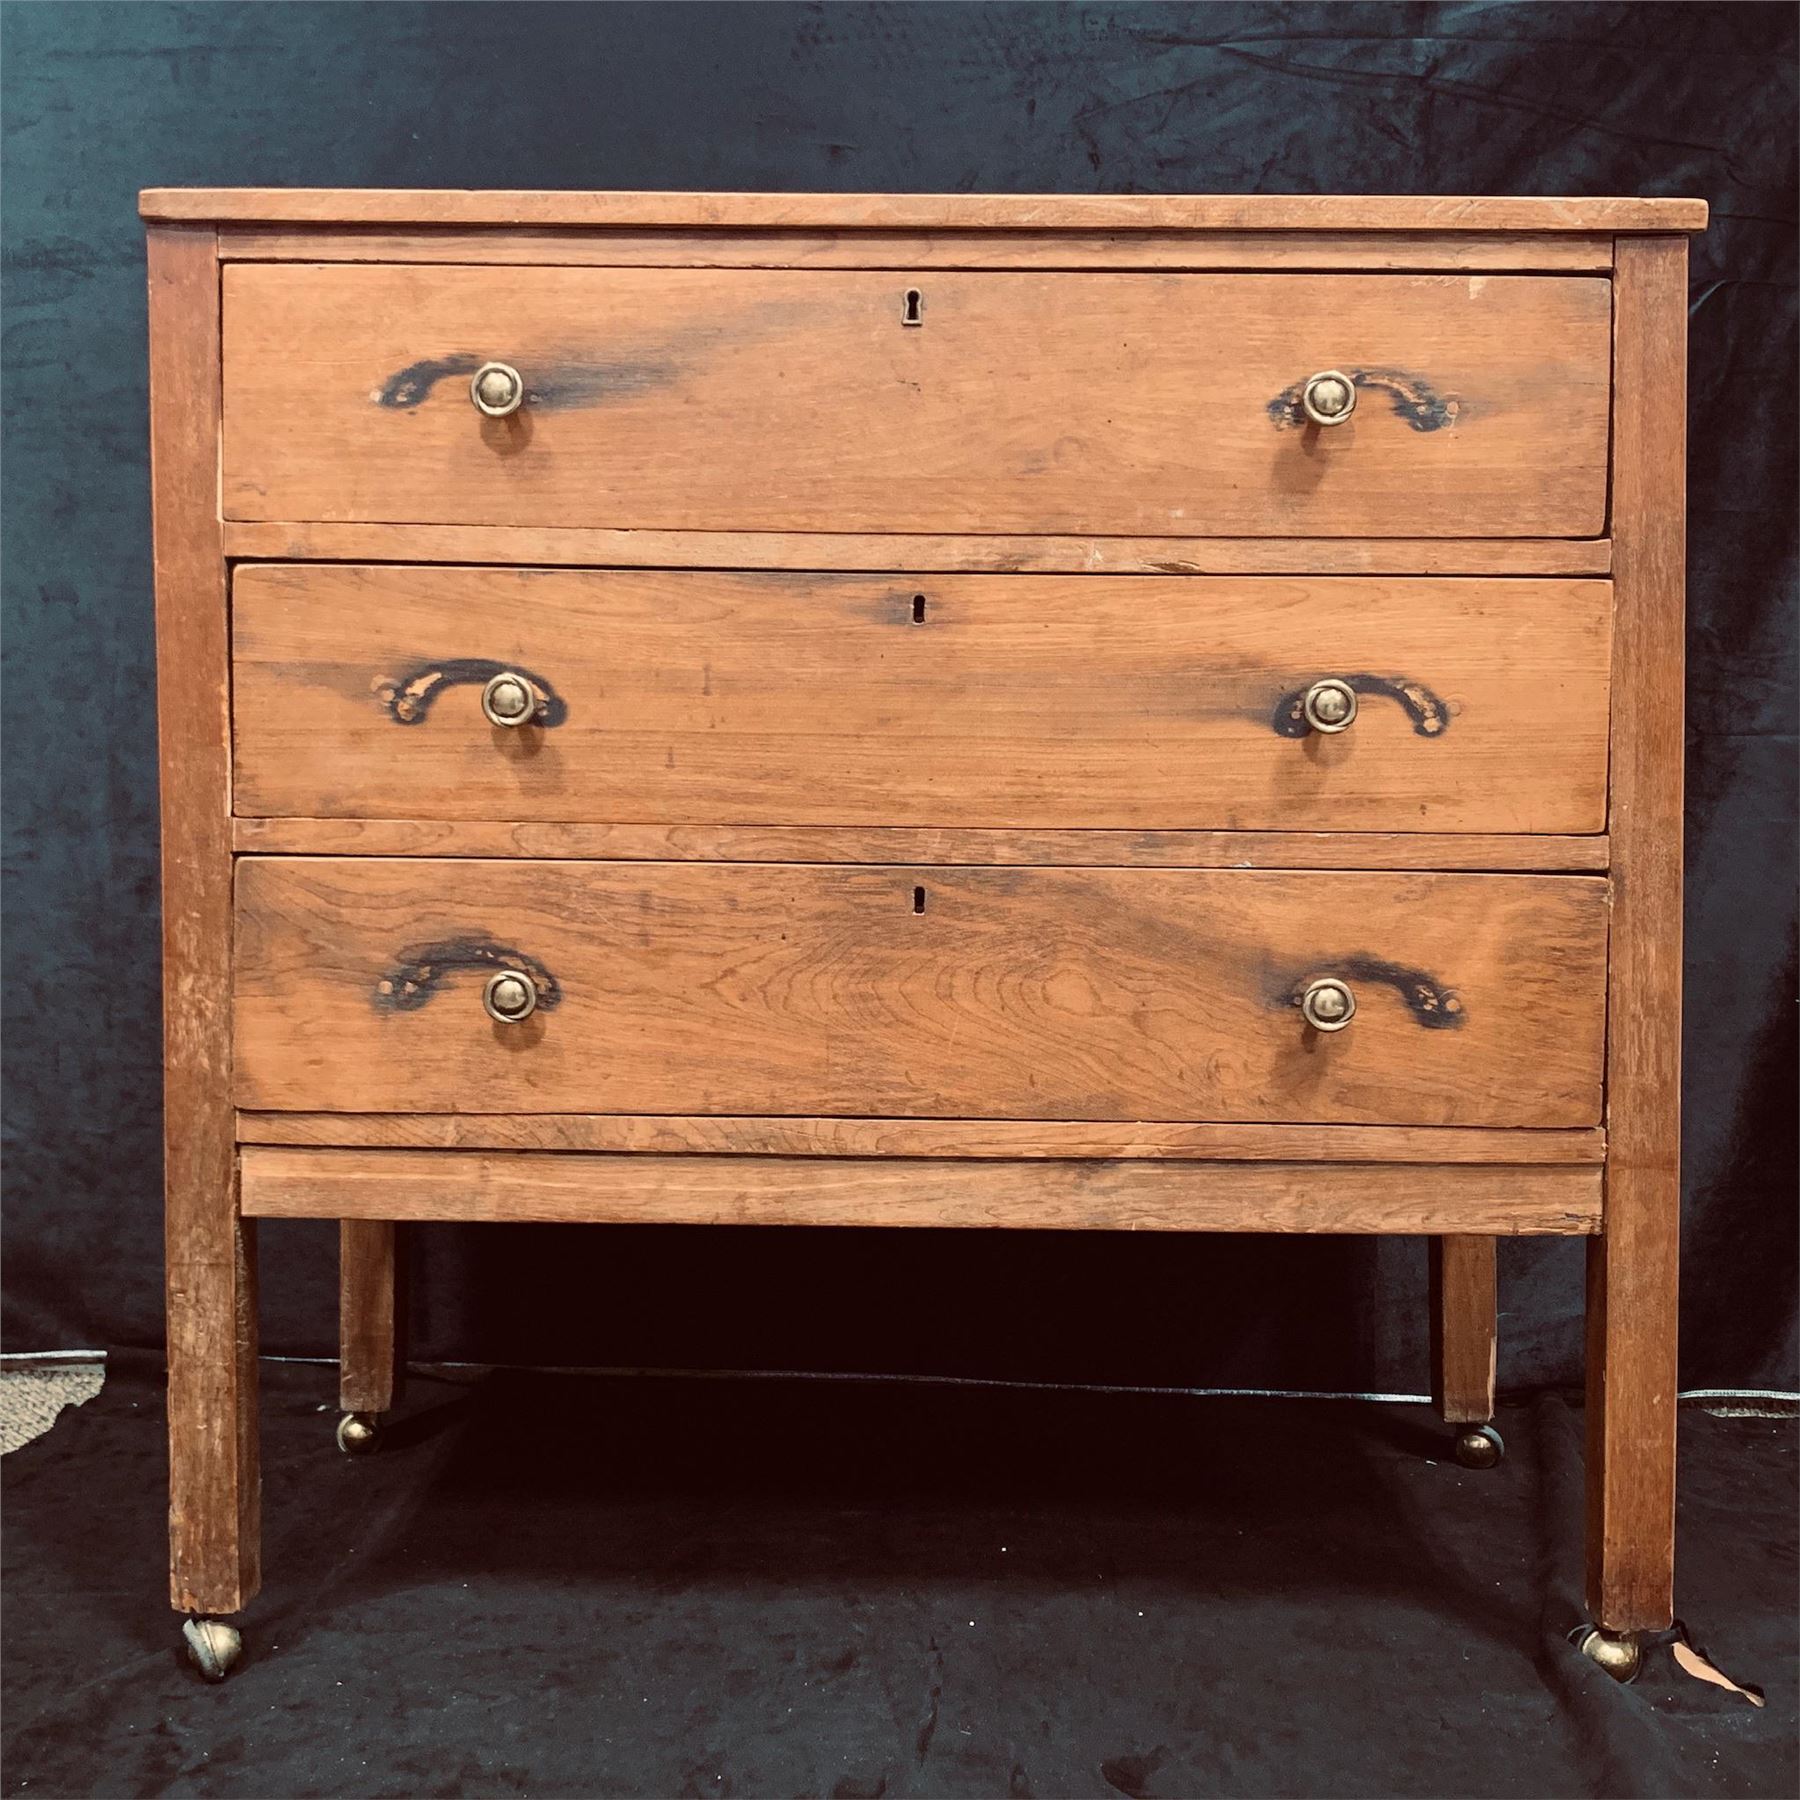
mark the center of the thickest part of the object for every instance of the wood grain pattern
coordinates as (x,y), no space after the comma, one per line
(950,992)
(1022,1139)
(997,701)
(886,844)
(795,400)
(1632,1272)
(922,212)
(369,1340)
(214,1479)
(1108,1196)
(1463,1335)
(994,555)
(916,250)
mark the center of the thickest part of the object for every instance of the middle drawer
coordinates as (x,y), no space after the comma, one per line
(1129,702)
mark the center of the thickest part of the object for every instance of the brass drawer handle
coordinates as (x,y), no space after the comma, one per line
(497,389)
(508,699)
(1329,705)
(1327,1004)
(509,996)
(1329,397)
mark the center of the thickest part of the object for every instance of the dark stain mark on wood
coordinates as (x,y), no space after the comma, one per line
(411,386)
(551,384)
(421,970)
(1411,396)
(1436,1007)
(1430,715)
(408,696)
(567,383)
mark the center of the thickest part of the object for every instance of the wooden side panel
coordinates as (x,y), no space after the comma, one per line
(800,400)
(214,1481)
(369,1345)
(585,546)
(959,993)
(668,1135)
(1632,1272)
(726,1190)
(891,844)
(1028,701)
(1463,1335)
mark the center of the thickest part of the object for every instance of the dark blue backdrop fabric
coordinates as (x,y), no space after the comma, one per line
(1481,99)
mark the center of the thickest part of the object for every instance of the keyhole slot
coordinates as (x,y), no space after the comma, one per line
(918,609)
(918,899)
(912,311)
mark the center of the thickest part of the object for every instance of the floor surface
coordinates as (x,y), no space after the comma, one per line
(640,1586)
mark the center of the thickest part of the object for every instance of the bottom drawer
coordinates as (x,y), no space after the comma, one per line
(974,993)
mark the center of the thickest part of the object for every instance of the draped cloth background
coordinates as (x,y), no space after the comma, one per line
(1554,99)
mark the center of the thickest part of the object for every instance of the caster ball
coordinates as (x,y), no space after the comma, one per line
(212,1646)
(1479,1447)
(357,1434)
(1620,1655)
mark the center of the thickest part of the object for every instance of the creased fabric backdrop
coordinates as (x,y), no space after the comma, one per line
(1530,99)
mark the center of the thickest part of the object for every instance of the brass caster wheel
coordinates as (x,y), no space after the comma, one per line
(1618,1653)
(358,1433)
(1479,1447)
(212,1646)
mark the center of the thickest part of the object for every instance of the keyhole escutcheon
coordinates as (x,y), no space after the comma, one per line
(918,899)
(912,308)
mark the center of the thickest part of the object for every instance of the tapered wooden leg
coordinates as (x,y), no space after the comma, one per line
(369,1340)
(1462,1328)
(215,1483)
(1631,1385)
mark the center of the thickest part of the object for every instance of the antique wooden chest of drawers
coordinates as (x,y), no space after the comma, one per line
(1078,713)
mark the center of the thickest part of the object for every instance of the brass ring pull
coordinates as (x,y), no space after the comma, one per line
(509,996)
(1327,1004)
(1329,397)
(1329,705)
(508,699)
(497,389)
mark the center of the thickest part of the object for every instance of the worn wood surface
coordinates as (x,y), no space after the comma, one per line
(995,555)
(663,1134)
(886,844)
(922,212)
(369,1342)
(214,1556)
(914,250)
(796,400)
(1463,1328)
(694,697)
(942,992)
(728,1190)
(1632,1271)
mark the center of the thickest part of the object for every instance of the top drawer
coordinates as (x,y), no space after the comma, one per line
(781,400)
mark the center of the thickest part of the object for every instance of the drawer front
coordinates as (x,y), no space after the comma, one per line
(974,700)
(953,993)
(752,400)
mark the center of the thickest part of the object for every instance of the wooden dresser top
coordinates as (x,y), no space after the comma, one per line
(919,212)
